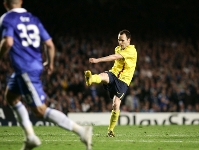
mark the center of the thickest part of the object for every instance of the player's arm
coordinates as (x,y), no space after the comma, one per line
(51,54)
(5,45)
(105,59)
(45,63)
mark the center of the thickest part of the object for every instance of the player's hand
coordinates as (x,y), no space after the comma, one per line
(45,63)
(50,69)
(93,60)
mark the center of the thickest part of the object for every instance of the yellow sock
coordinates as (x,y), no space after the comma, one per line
(113,119)
(96,78)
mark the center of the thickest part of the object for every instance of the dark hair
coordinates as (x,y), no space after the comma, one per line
(128,34)
(9,2)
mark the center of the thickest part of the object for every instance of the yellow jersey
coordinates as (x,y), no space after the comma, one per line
(124,68)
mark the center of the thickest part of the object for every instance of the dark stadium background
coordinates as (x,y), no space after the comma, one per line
(139,16)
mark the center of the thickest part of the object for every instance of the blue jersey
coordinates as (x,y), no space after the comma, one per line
(28,33)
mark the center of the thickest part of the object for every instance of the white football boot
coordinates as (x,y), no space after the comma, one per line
(86,138)
(31,142)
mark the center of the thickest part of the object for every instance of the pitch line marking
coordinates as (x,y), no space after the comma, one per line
(136,141)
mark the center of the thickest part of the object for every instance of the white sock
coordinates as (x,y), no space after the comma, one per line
(62,120)
(23,118)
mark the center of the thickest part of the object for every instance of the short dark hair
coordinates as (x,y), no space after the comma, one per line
(9,2)
(128,34)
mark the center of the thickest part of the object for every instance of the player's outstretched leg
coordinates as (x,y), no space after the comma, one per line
(91,78)
(59,118)
(86,137)
(88,77)
(31,142)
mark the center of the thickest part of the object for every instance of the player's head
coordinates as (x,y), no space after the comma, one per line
(124,38)
(10,4)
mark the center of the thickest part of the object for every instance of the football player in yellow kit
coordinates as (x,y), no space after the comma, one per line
(116,80)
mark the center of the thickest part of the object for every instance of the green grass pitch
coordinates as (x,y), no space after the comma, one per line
(127,138)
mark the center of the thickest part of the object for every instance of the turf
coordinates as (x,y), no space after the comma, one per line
(127,138)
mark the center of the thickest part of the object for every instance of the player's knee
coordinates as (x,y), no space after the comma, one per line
(11,98)
(114,106)
(104,77)
(7,98)
(39,111)
(38,115)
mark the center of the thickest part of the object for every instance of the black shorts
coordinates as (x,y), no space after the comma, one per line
(115,86)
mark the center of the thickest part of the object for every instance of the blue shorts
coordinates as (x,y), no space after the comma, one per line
(29,86)
(115,87)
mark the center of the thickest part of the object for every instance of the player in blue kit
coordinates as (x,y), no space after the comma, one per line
(22,35)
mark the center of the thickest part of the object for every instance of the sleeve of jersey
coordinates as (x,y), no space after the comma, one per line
(43,33)
(7,30)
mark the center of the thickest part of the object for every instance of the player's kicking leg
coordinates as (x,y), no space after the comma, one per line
(92,78)
(88,77)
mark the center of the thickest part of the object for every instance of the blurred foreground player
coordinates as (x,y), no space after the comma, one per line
(22,34)
(116,80)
